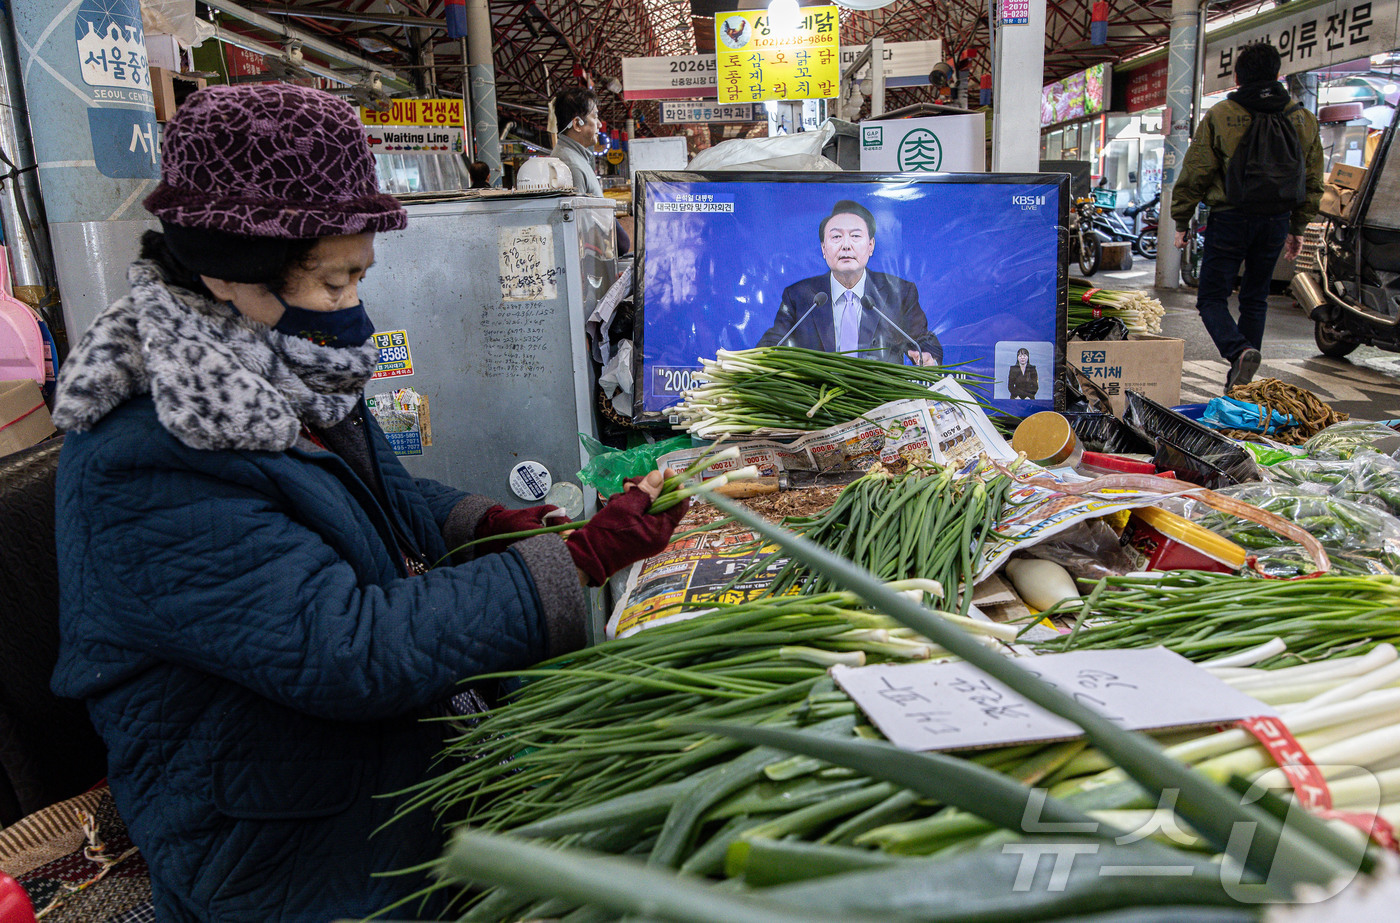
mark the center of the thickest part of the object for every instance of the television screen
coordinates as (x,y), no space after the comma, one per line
(954,269)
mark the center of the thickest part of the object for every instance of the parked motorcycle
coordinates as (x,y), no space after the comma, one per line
(1195,246)
(1112,225)
(1146,241)
(1084,243)
(1349,281)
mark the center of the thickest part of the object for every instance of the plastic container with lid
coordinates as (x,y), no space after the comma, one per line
(1159,540)
(1047,439)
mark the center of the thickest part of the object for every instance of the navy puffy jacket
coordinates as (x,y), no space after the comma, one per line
(257,662)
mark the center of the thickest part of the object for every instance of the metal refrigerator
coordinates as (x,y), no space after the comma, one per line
(492,293)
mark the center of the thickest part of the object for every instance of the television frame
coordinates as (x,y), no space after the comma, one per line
(641,210)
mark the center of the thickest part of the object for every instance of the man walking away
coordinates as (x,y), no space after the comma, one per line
(1256,161)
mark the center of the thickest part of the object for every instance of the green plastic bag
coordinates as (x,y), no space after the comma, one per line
(608,469)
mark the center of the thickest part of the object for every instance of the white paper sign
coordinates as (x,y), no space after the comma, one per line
(939,144)
(953,705)
(527,263)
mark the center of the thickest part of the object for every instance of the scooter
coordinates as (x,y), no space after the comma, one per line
(1112,225)
(1349,281)
(1146,241)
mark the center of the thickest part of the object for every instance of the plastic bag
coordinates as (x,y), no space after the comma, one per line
(1359,539)
(1343,440)
(1100,328)
(1089,550)
(798,151)
(608,469)
(1368,478)
(1232,413)
(1272,453)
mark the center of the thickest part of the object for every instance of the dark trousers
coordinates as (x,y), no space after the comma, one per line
(1233,239)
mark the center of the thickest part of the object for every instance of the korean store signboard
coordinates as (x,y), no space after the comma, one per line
(417,127)
(698,110)
(1332,33)
(758,62)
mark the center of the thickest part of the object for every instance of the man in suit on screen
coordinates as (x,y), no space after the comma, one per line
(851,308)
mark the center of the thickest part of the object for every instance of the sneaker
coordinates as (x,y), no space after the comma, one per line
(1242,368)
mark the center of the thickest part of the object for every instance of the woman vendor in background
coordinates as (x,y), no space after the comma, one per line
(250,602)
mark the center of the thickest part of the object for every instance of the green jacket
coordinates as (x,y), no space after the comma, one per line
(1202,177)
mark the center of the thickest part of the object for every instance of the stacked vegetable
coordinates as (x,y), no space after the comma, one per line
(1203,615)
(1138,310)
(660,744)
(787,388)
(927,522)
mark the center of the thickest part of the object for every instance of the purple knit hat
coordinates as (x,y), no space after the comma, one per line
(270,160)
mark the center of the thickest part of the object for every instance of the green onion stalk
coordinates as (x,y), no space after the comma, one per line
(1139,311)
(931,523)
(1203,615)
(788,388)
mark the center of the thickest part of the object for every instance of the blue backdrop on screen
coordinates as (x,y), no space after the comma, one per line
(717,254)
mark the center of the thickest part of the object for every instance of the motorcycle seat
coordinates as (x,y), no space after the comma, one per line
(1380,249)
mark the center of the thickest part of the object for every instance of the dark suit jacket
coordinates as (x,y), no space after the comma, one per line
(897,297)
(1020,385)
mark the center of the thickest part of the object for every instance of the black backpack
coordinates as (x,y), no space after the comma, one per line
(1267,175)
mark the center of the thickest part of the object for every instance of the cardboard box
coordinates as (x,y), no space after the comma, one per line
(24,417)
(1150,365)
(170,89)
(1337,201)
(1345,176)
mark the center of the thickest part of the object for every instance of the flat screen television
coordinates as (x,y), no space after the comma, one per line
(965,268)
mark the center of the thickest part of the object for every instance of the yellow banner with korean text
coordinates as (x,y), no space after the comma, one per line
(416,126)
(759,60)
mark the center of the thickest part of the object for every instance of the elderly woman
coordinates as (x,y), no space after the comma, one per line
(253,604)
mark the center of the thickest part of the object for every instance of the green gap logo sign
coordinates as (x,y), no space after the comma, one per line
(919,151)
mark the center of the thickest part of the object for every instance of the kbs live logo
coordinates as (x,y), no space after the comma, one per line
(1028,203)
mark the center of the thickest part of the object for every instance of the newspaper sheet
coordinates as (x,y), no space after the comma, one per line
(679,582)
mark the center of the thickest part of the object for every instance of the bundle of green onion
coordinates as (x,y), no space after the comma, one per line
(1140,311)
(1203,615)
(930,523)
(787,388)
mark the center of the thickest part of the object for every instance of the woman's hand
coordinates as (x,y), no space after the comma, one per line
(623,531)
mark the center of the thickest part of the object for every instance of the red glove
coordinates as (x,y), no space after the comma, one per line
(14,902)
(621,533)
(500,521)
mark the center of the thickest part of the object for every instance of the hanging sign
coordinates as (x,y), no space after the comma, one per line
(694,76)
(695,110)
(111,55)
(1147,87)
(1015,12)
(1322,36)
(757,62)
(416,127)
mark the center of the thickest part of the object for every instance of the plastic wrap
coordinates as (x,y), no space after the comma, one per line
(1368,477)
(1089,550)
(1343,440)
(1102,328)
(1358,538)
(608,469)
(732,260)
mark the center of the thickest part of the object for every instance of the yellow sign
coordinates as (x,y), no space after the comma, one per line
(416,127)
(395,359)
(427,113)
(615,156)
(758,61)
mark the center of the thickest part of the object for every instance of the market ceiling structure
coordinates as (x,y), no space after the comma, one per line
(543,45)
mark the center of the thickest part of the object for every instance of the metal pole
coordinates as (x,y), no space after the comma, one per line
(1018,72)
(467,101)
(20,198)
(877,77)
(1176,123)
(482,71)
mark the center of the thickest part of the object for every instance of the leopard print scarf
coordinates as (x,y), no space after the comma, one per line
(218,380)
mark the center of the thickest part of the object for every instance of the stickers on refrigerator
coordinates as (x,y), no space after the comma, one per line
(395,358)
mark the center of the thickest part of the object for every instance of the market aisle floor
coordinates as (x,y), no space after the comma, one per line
(1365,385)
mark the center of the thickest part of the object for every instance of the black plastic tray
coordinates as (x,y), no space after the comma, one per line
(1103,432)
(1193,451)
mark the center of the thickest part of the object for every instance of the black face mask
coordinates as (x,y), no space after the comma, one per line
(343,328)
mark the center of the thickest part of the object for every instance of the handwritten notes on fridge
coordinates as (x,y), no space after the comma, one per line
(528,272)
(953,705)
